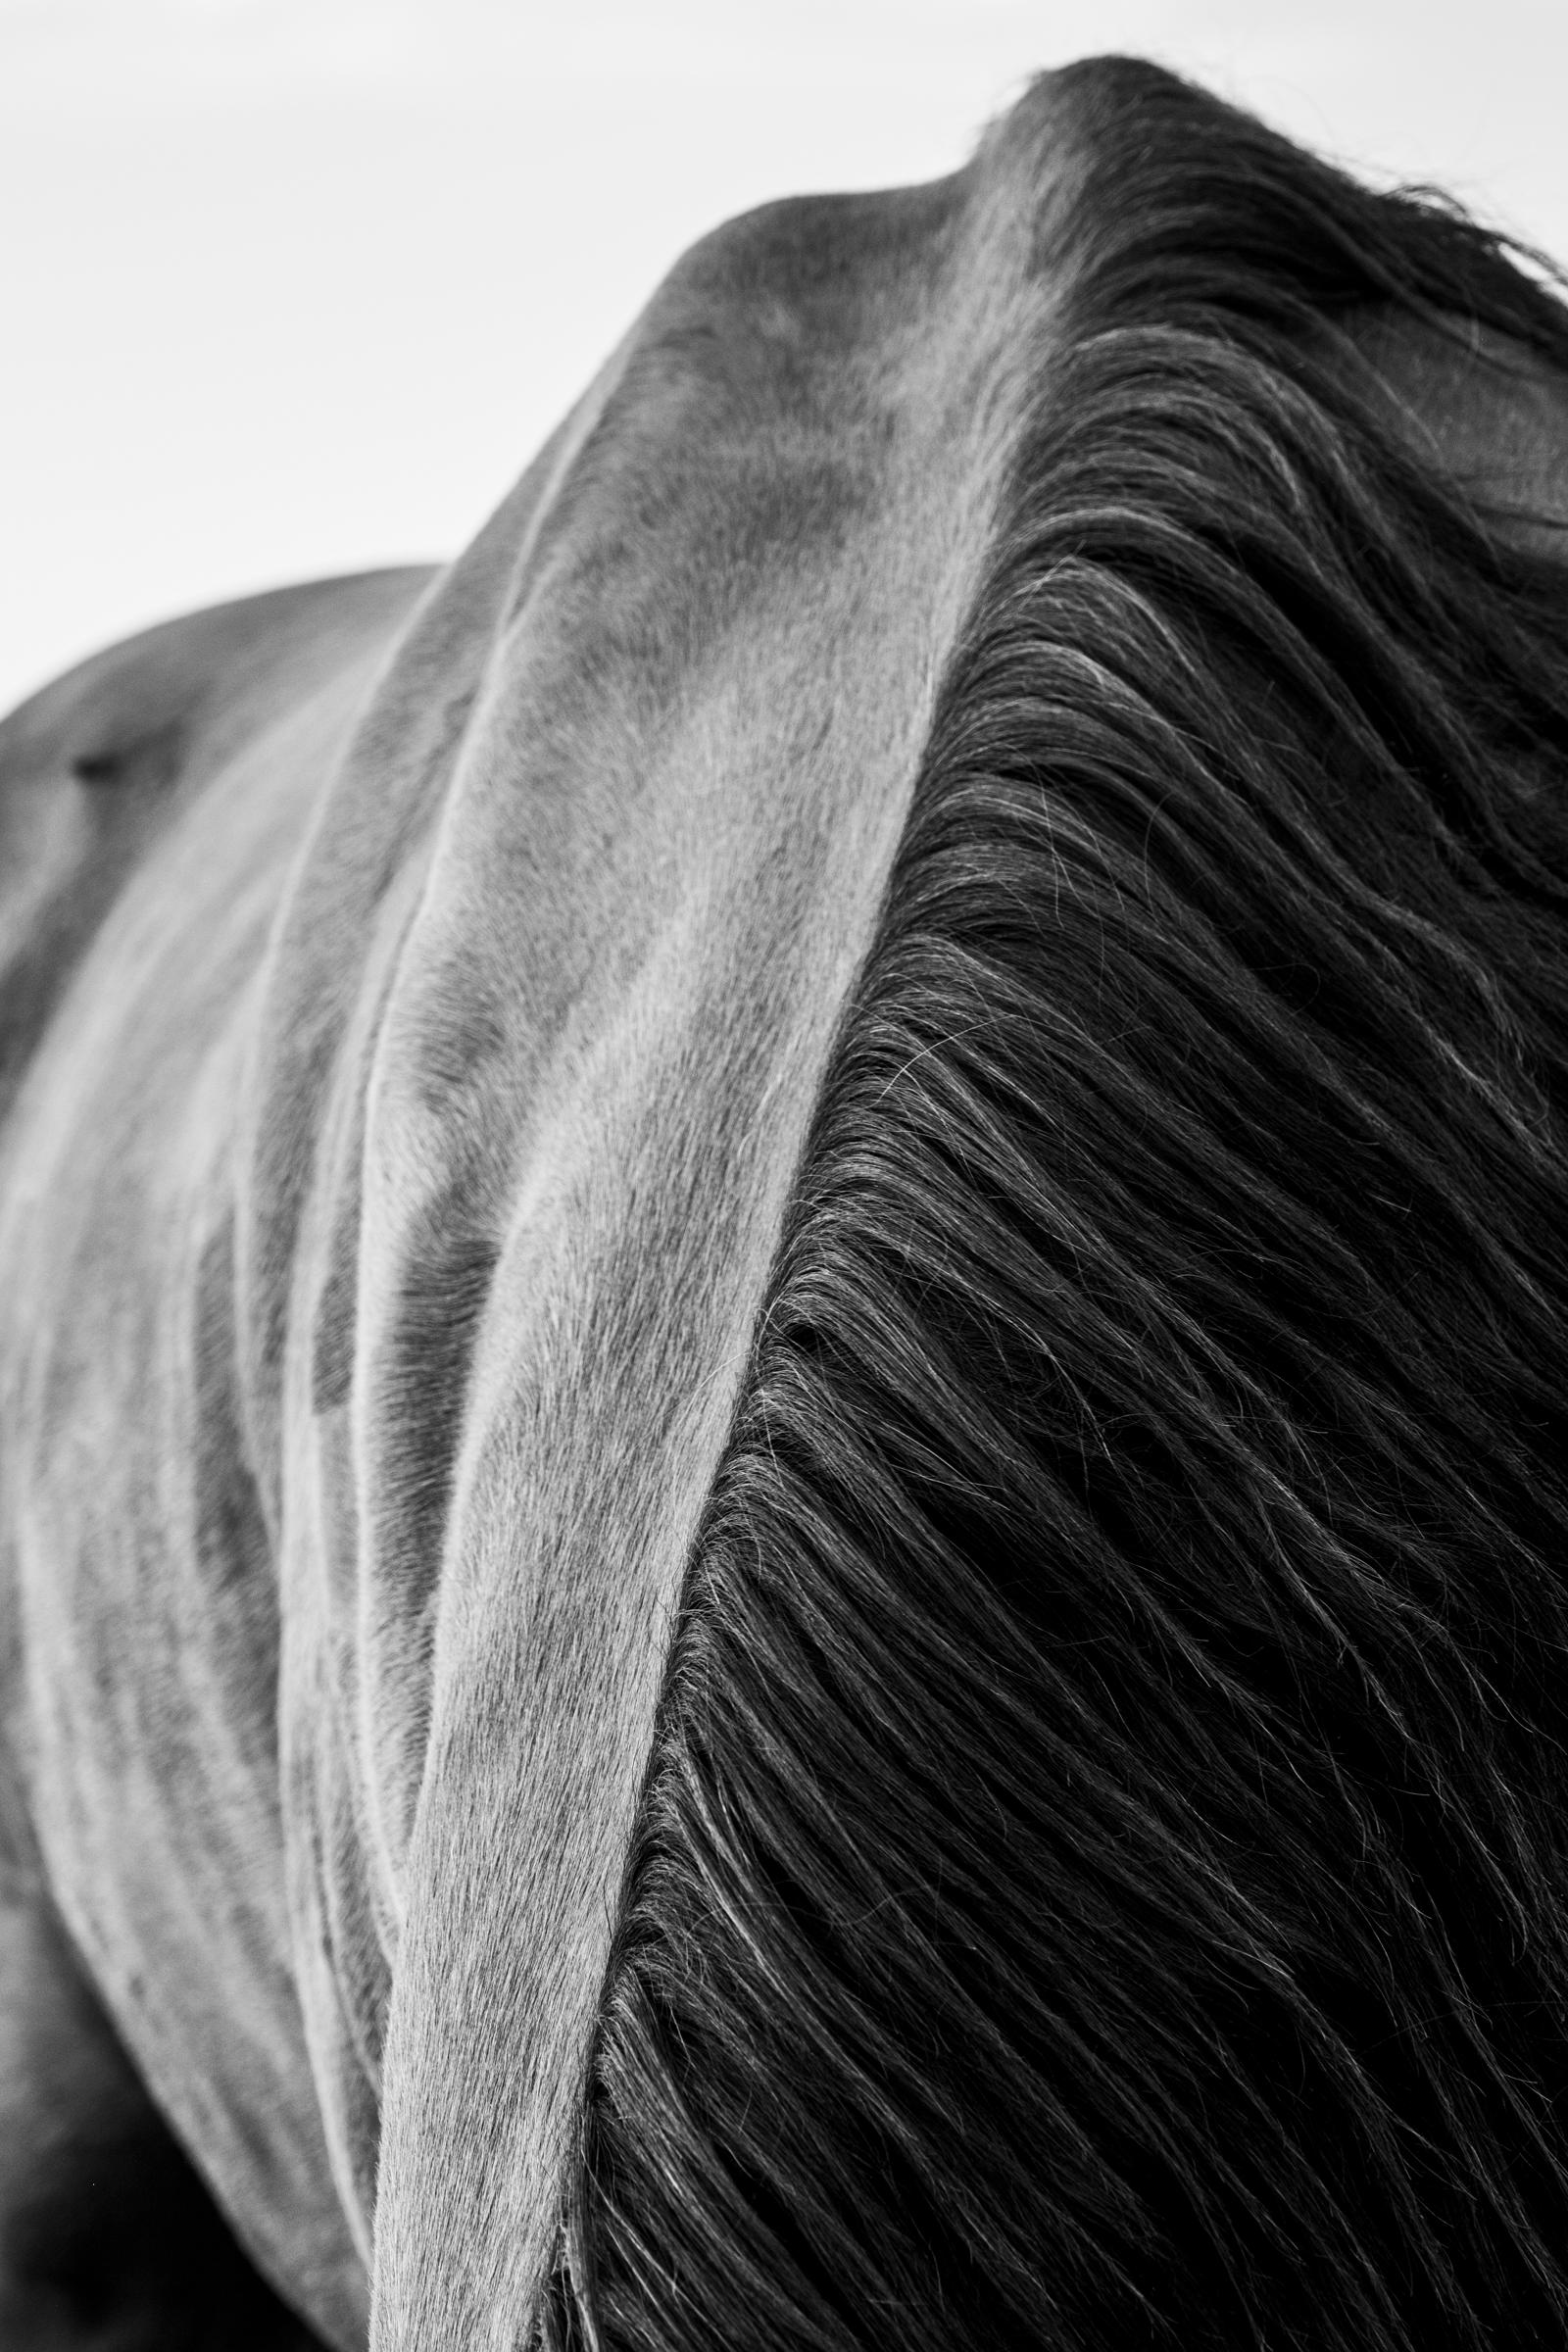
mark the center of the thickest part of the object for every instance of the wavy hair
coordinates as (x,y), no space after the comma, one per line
(1102,1872)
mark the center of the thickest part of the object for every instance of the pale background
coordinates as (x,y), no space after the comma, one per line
(297,286)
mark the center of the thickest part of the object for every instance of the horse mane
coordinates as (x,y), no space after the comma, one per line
(1102,1876)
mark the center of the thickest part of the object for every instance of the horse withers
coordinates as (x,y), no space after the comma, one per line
(783,1479)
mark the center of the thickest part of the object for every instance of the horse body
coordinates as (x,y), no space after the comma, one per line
(409,1085)
(168,1872)
(383,1235)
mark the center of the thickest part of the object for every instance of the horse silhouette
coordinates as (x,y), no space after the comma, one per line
(783,1474)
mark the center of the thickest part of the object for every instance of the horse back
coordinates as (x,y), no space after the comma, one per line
(94,767)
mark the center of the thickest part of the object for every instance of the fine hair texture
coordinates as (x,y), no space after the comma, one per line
(1102,1874)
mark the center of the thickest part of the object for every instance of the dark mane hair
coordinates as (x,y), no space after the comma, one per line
(1102,1874)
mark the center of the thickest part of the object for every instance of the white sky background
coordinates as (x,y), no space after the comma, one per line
(297,286)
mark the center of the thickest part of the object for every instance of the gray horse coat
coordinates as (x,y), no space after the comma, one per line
(415,993)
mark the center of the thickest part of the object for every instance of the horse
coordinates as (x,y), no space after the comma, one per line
(784,1486)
